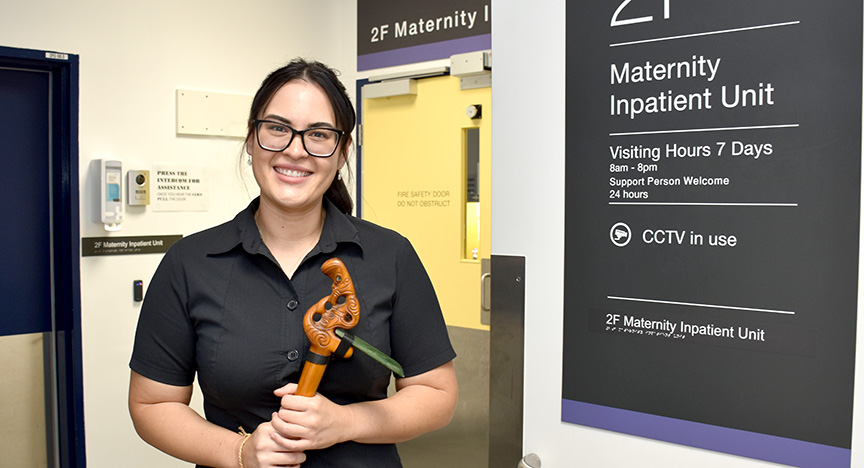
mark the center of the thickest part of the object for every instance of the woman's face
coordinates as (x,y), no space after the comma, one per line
(292,179)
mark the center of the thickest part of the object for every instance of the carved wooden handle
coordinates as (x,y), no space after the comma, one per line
(340,309)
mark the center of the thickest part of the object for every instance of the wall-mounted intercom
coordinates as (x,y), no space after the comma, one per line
(110,191)
(138,188)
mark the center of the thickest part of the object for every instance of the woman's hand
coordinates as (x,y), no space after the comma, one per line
(309,423)
(422,403)
(262,451)
(163,418)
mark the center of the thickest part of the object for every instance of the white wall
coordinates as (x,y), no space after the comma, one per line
(528,42)
(133,56)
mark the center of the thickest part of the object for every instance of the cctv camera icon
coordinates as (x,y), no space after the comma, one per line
(620,234)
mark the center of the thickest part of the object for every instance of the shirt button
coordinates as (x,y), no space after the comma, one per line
(292,304)
(292,355)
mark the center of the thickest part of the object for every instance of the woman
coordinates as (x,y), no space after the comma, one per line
(226,304)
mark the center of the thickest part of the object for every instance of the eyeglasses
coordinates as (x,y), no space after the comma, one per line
(320,142)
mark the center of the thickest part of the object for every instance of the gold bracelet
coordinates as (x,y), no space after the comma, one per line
(246,437)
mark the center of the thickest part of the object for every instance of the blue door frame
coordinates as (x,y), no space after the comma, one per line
(358,154)
(65,221)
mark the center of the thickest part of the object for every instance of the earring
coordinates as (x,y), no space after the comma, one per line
(248,159)
(338,175)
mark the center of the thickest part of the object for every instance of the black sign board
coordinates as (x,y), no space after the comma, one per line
(96,246)
(394,32)
(712,223)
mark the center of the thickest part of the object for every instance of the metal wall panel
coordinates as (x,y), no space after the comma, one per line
(507,345)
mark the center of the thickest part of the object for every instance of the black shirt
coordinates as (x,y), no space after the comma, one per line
(220,306)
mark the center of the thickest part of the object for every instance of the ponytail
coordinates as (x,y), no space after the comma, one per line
(338,194)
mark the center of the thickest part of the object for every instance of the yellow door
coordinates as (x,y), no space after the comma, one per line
(416,153)
(425,173)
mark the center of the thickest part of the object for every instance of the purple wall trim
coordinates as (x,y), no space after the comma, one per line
(423,53)
(719,439)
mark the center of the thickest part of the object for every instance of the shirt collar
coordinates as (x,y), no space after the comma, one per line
(337,228)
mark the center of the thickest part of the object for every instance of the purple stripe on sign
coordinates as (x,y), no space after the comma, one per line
(423,53)
(719,439)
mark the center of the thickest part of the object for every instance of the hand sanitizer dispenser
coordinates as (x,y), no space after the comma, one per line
(110,187)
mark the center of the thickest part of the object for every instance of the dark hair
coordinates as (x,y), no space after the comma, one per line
(320,74)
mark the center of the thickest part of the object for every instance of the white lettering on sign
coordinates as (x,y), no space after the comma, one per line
(417,26)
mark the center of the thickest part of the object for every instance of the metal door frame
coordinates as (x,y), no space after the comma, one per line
(63,68)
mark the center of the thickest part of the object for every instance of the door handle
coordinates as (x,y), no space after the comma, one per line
(484,306)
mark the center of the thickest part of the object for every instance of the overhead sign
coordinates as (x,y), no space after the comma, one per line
(393,32)
(712,223)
